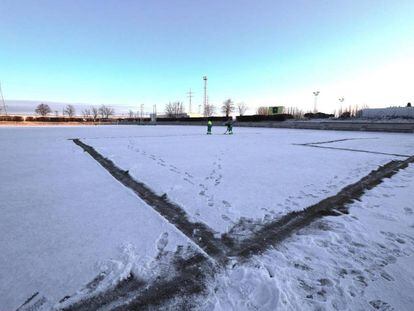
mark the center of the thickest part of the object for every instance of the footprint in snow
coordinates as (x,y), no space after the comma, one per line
(162,242)
(408,210)
(226,218)
(381,305)
(387,277)
(189,175)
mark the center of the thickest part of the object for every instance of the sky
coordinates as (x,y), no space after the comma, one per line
(264,53)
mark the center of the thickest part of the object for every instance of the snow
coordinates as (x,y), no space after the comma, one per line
(63,216)
(385,142)
(257,173)
(352,262)
(64,219)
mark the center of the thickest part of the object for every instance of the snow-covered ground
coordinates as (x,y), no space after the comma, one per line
(257,173)
(64,217)
(360,261)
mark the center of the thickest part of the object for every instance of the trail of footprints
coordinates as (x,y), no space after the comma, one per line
(353,266)
(332,186)
(214,178)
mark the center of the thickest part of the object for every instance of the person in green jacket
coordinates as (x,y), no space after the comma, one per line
(209,126)
(229,125)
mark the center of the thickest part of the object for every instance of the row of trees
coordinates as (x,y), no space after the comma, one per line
(176,109)
(93,112)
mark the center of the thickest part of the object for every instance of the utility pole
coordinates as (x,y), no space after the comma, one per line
(2,100)
(205,92)
(315,109)
(190,96)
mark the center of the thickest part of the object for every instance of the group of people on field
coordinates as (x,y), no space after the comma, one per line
(228,124)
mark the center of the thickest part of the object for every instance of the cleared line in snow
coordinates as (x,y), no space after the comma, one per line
(355,150)
(27,304)
(338,140)
(199,233)
(187,277)
(193,272)
(276,231)
(316,145)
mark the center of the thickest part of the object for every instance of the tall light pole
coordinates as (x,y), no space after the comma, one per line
(341,101)
(205,92)
(141,111)
(315,109)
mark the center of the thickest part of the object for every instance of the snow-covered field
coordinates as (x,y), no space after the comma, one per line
(360,261)
(64,218)
(254,174)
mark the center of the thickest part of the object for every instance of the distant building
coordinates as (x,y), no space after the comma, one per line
(388,113)
(276,110)
(178,116)
(195,115)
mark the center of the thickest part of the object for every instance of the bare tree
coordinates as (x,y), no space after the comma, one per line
(43,109)
(69,110)
(241,108)
(209,110)
(86,113)
(228,107)
(295,112)
(174,110)
(263,111)
(95,113)
(130,114)
(106,111)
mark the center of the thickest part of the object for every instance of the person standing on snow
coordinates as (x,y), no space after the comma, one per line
(209,126)
(229,125)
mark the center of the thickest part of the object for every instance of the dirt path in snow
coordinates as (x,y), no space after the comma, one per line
(192,273)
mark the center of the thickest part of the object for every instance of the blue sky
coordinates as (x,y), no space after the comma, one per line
(127,53)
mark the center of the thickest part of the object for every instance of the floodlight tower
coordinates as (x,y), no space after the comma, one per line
(3,102)
(141,111)
(341,101)
(316,93)
(205,92)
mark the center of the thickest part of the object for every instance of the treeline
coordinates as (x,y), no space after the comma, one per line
(102,112)
(188,119)
(53,119)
